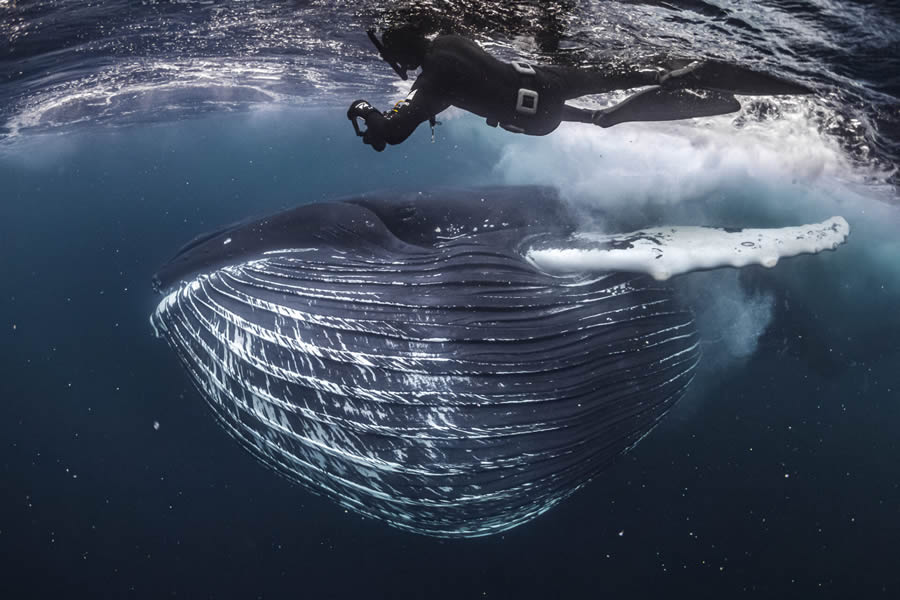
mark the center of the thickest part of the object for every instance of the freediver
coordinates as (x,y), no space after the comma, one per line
(531,99)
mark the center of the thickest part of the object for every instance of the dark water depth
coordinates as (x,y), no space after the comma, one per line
(128,128)
(775,477)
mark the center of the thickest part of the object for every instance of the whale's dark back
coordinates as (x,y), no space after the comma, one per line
(418,369)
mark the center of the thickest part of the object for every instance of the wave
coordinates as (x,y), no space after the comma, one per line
(67,64)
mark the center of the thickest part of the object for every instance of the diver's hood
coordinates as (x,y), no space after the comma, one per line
(388,56)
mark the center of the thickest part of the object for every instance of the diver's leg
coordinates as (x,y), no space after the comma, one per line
(604,117)
(578,115)
(713,75)
(667,104)
(573,83)
(656,104)
(728,78)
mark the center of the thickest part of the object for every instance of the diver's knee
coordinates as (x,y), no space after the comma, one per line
(601,118)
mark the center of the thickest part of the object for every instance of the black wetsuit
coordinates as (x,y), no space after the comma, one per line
(457,72)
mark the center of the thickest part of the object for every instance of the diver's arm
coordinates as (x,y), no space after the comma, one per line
(397,124)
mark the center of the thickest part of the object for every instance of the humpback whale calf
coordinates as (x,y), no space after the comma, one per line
(431,359)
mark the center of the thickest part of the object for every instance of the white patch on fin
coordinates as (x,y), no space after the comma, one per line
(666,251)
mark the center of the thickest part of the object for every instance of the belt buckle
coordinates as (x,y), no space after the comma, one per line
(527,102)
(523,67)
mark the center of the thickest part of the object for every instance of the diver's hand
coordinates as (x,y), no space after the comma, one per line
(378,144)
(376,130)
(374,133)
(360,109)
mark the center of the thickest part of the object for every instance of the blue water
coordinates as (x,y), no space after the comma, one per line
(774,477)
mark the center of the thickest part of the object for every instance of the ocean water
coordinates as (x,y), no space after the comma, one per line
(127,130)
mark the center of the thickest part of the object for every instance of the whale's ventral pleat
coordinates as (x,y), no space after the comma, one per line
(413,366)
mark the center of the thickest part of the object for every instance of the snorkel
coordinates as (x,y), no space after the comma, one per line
(387,56)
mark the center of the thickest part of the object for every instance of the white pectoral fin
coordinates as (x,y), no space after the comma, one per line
(666,251)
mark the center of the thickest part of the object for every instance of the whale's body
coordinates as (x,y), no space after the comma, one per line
(400,355)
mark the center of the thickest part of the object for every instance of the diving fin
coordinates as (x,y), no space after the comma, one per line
(668,104)
(729,78)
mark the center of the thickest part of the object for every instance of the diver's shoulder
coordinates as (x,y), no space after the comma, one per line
(450,41)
